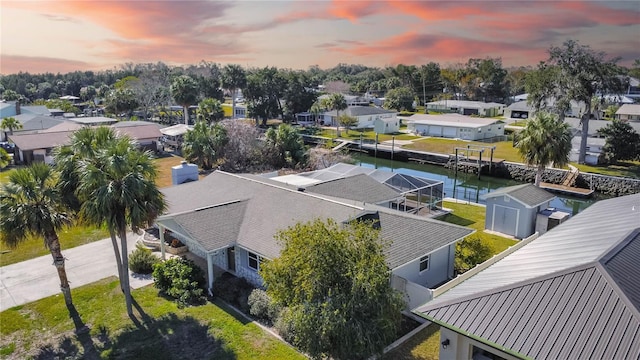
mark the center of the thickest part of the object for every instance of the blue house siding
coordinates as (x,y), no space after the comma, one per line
(440,268)
(243,269)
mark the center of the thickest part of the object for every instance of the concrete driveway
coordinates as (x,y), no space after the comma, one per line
(37,278)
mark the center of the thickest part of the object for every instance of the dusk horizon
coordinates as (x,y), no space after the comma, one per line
(65,36)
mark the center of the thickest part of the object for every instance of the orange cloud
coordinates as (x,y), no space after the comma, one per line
(354,10)
(11,64)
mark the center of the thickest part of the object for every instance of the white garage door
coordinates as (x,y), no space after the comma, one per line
(449,132)
(505,219)
(435,130)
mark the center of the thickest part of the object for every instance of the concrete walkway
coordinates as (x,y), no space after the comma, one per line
(37,278)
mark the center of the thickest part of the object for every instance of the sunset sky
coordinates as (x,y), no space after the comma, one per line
(63,36)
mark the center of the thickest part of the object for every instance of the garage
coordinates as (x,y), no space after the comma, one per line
(435,130)
(505,220)
(470,112)
(449,132)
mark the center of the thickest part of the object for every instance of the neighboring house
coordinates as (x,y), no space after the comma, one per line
(173,135)
(95,120)
(38,146)
(351,100)
(386,126)
(595,125)
(366,116)
(633,88)
(570,294)
(454,126)
(594,149)
(513,210)
(522,110)
(13,108)
(146,134)
(241,111)
(467,107)
(230,221)
(628,112)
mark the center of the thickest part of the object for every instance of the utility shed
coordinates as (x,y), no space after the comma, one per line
(513,210)
(572,293)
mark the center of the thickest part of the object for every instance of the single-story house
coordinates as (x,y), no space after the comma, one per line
(13,108)
(513,210)
(522,110)
(628,112)
(467,107)
(351,100)
(146,134)
(572,293)
(594,149)
(241,111)
(366,115)
(38,146)
(93,120)
(173,135)
(633,88)
(230,221)
(454,126)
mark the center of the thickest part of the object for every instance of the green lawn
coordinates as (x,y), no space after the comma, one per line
(43,329)
(504,149)
(425,345)
(473,216)
(34,246)
(624,168)
(367,135)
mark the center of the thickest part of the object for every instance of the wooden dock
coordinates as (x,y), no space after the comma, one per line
(567,190)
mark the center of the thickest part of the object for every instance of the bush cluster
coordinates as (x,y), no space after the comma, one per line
(141,260)
(262,307)
(180,279)
(234,290)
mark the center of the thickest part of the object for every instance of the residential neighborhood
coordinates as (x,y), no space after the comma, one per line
(324,180)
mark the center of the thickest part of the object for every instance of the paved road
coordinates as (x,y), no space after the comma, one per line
(37,278)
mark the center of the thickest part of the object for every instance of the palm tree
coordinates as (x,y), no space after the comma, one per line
(31,204)
(543,141)
(337,102)
(204,144)
(210,110)
(184,90)
(233,78)
(11,124)
(118,189)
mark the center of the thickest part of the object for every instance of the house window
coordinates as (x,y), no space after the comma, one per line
(254,261)
(424,263)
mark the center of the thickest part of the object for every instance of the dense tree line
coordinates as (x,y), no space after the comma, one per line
(273,92)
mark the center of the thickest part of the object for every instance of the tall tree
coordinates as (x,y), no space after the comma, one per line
(286,146)
(399,99)
(204,144)
(233,78)
(31,204)
(337,102)
(151,89)
(265,87)
(121,100)
(185,92)
(114,184)
(335,283)
(544,140)
(210,110)
(298,95)
(10,123)
(584,73)
(622,142)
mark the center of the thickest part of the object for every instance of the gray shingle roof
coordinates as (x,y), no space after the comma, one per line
(570,294)
(527,194)
(358,187)
(45,140)
(362,111)
(270,208)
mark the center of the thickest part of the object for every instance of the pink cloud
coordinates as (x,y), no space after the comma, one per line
(10,64)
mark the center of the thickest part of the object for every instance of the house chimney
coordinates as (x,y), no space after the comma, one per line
(17,107)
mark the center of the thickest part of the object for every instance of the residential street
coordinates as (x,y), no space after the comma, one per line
(37,278)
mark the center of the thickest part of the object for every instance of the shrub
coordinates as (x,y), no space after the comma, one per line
(234,290)
(284,326)
(180,279)
(141,260)
(262,306)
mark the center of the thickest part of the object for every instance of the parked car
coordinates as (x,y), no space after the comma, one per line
(9,147)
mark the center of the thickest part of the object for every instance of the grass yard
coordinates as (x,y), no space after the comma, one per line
(473,216)
(34,246)
(43,329)
(164,165)
(425,345)
(623,168)
(367,135)
(504,149)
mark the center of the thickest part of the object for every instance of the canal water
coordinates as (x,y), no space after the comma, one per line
(465,186)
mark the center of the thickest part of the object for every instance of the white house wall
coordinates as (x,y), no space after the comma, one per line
(461,347)
(437,273)
(457,131)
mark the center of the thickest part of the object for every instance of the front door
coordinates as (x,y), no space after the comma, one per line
(231,259)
